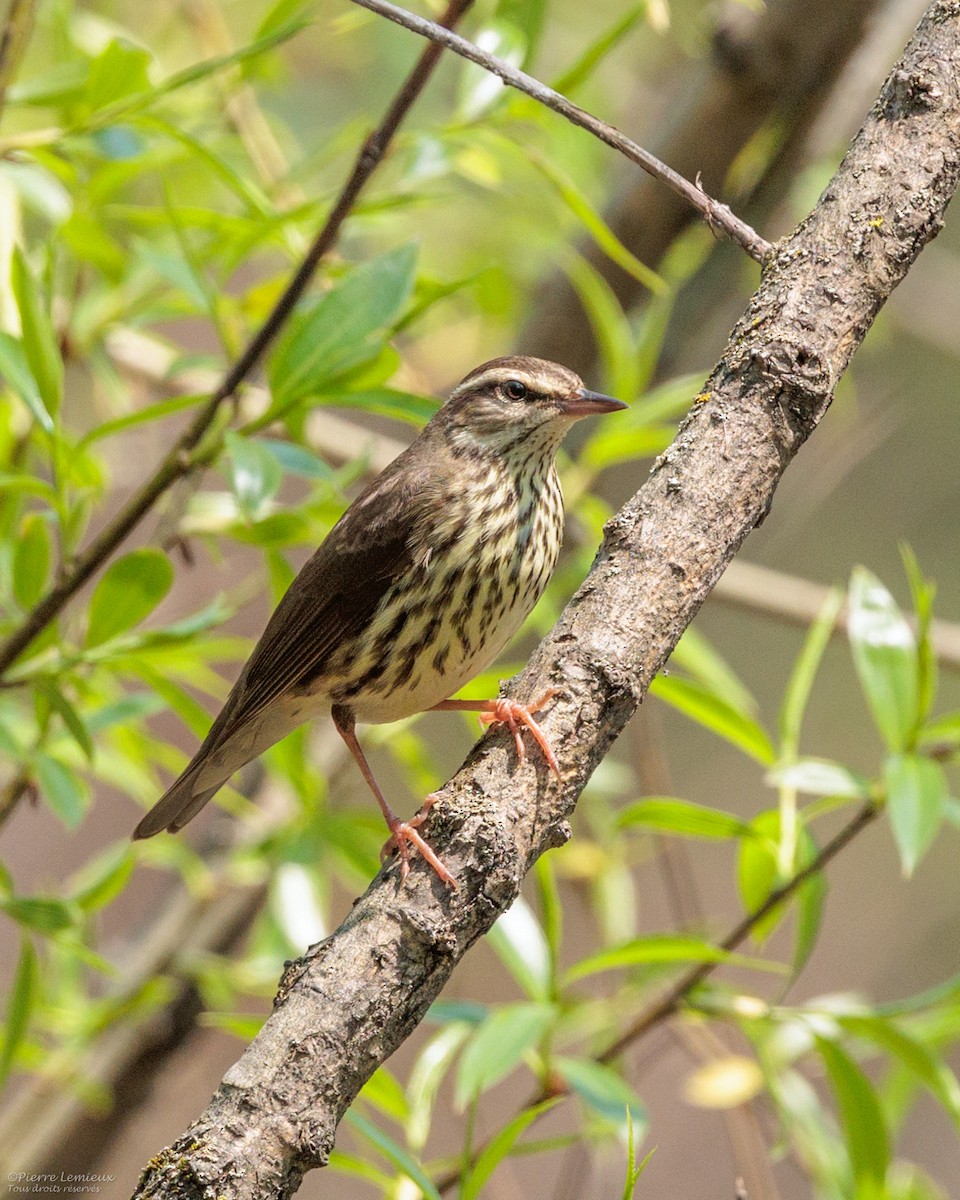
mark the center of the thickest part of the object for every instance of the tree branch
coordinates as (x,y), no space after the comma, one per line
(350,1002)
(718,216)
(185,455)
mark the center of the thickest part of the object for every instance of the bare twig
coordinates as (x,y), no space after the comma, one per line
(718,216)
(187,453)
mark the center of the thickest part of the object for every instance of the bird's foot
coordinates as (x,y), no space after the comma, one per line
(517,716)
(403,835)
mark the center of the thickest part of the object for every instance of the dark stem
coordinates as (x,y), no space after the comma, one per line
(181,460)
(718,216)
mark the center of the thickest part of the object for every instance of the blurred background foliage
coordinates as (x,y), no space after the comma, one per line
(162,171)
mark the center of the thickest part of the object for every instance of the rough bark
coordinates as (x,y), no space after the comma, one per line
(348,1004)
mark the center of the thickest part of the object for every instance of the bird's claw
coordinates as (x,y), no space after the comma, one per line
(403,834)
(517,716)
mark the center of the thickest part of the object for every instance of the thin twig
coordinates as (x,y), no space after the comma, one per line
(183,458)
(718,216)
(671,1001)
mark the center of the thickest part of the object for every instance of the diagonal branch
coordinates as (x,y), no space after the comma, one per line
(716,215)
(186,454)
(353,999)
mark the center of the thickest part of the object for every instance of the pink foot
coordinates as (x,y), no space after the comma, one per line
(403,834)
(516,716)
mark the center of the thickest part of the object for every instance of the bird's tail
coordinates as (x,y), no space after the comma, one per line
(179,804)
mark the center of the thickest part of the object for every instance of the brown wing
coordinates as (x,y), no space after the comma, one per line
(333,598)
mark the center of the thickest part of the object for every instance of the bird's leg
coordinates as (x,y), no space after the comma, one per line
(401,832)
(514,715)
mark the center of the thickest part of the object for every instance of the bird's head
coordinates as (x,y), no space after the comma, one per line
(516,400)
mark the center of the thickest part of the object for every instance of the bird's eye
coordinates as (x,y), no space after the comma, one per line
(514,389)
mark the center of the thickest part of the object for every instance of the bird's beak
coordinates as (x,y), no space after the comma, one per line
(588,404)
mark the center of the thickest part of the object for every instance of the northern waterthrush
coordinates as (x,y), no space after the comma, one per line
(419,585)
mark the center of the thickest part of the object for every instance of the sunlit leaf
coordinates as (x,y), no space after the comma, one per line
(31,560)
(521,946)
(804,672)
(131,588)
(885,654)
(335,331)
(601,1089)
(38,338)
(102,879)
(19,1006)
(921,1061)
(683,818)
(16,372)
(65,793)
(864,1130)
(392,1152)
(663,948)
(820,777)
(715,714)
(255,473)
(497,1149)
(498,1046)
(916,790)
(37,912)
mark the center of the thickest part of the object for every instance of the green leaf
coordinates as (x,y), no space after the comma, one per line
(864,1130)
(387,402)
(885,655)
(335,332)
(479,89)
(16,372)
(759,873)
(22,997)
(385,1093)
(498,1148)
(916,790)
(66,794)
(609,323)
(498,1046)
(820,777)
(129,591)
(255,473)
(596,227)
(601,1089)
(72,720)
(663,948)
(31,560)
(38,339)
(683,818)
(519,943)
(393,1153)
(918,1059)
(427,1075)
(700,658)
(715,714)
(804,672)
(923,592)
(297,460)
(119,70)
(36,912)
(597,50)
(101,880)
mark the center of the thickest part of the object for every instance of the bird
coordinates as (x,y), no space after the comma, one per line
(418,587)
